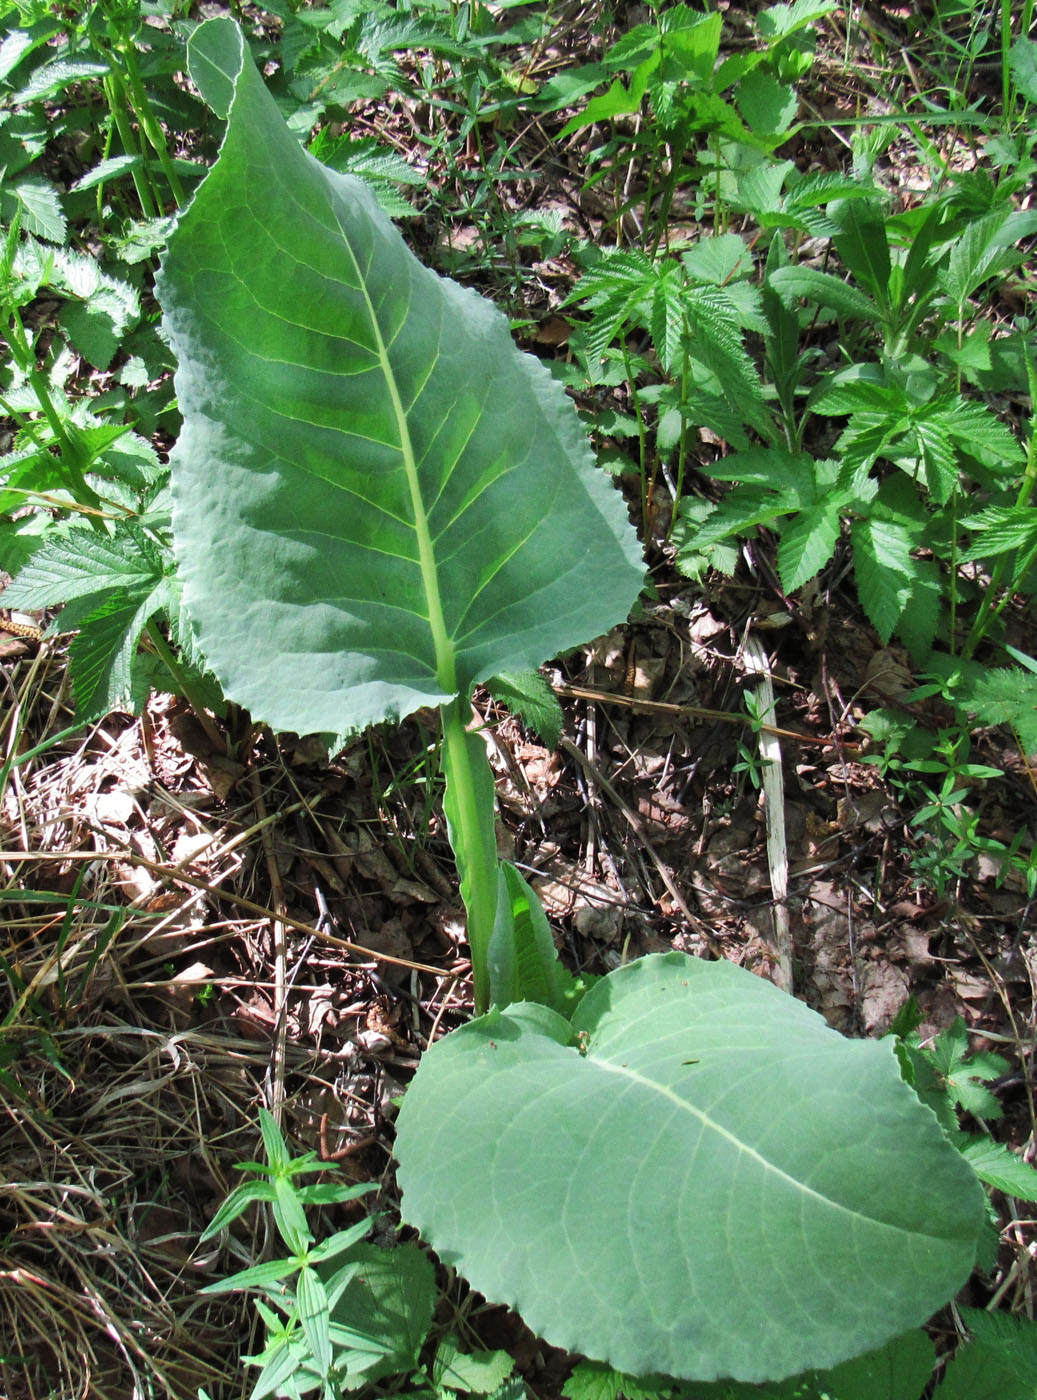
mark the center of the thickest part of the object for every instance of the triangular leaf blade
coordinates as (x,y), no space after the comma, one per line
(377,500)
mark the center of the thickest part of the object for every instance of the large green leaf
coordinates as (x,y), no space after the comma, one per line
(698,1177)
(378,500)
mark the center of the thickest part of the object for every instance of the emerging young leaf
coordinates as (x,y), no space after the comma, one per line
(683,1179)
(377,500)
(523,964)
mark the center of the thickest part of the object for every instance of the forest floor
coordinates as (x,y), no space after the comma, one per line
(177,907)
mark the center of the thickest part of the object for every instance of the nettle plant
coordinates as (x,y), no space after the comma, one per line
(379,503)
(710,117)
(926,478)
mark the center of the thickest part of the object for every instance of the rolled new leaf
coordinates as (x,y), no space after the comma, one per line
(377,500)
(698,1177)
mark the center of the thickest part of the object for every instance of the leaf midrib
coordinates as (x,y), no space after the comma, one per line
(711,1125)
(443,648)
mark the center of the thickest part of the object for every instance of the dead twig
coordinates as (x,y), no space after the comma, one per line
(666,707)
(230,897)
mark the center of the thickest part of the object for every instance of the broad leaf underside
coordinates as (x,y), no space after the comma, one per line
(721,1186)
(378,500)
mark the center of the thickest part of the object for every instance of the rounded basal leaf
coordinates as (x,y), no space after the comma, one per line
(377,499)
(699,1178)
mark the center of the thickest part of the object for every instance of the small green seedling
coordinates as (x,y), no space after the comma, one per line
(339,1314)
(954,1082)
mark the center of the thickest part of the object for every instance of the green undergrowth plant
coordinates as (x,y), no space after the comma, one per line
(84,510)
(955,1083)
(938,784)
(343,1313)
(935,776)
(922,478)
(59,446)
(916,455)
(704,117)
(922,486)
(694,370)
(996,1359)
(378,504)
(115,588)
(919,450)
(96,542)
(96,80)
